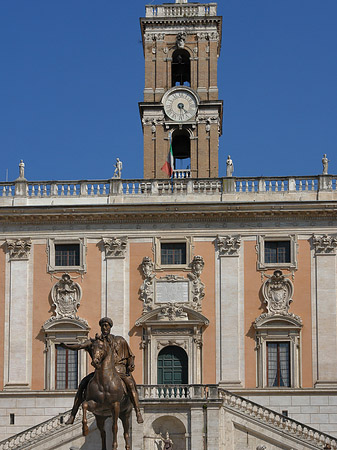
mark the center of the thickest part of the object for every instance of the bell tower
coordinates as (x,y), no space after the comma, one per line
(181,109)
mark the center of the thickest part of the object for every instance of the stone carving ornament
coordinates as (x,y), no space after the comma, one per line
(147,288)
(172,312)
(229,245)
(197,266)
(324,244)
(19,248)
(66,296)
(196,287)
(181,37)
(115,247)
(277,292)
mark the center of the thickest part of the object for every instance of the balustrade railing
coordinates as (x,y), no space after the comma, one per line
(180,184)
(177,391)
(181,10)
(43,430)
(277,420)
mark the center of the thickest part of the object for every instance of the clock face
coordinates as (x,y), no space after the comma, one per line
(180,105)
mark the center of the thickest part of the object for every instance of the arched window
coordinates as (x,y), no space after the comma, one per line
(172,366)
(181,68)
(181,146)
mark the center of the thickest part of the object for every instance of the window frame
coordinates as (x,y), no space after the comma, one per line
(67,353)
(174,240)
(69,331)
(275,330)
(278,362)
(52,242)
(291,265)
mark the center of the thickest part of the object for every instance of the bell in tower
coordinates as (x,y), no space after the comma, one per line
(181,111)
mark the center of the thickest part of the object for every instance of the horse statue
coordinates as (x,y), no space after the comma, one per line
(106,394)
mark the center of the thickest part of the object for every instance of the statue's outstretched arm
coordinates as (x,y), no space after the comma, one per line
(84,345)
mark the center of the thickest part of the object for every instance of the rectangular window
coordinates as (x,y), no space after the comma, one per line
(173,253)
(276,252)
(66,368)
(67,255)
(278,364)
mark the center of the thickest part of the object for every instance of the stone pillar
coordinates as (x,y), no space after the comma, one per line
(213,427)
(18,333)
(115,295)
(137,432)
(231,314)
(197,427)
(325,267)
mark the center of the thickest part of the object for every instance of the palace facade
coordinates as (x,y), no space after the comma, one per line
(225,287)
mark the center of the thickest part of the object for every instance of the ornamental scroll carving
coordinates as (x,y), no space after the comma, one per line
(19,249)
(228,245)
(115,247)
(324,244)
(66,295)
(147,288)
(170,309)
(197,266)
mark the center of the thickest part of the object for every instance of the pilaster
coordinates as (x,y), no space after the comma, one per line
(197,428)
(115,298)
(18,333)
(231,317)
(326,310)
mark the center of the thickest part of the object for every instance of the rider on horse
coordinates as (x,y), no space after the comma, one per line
(124,365)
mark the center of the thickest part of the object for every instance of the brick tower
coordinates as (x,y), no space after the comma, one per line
(181,44)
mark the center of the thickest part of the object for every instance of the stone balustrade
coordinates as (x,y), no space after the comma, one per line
(278,421)
(43,430)
(177,392)
(181,184)
(181,10)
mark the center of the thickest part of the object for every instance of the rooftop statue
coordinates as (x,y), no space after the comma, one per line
(118,169)
(325,163)
(111,390)
(229,167)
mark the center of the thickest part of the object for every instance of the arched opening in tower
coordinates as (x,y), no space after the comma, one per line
(181,68)
(181,147)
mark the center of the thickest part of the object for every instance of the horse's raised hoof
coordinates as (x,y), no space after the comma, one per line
(85,430)
(70,421)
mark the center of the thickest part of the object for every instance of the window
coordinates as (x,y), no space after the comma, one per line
(66,370)
(277,252)
(173,253)
(278,340)
(278,364)
(181,68)
(66,254)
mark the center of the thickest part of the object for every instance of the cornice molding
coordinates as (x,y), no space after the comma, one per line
(161,213)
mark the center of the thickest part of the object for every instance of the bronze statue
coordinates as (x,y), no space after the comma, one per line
(109,390)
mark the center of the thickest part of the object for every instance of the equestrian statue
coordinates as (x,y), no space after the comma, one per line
(111,390)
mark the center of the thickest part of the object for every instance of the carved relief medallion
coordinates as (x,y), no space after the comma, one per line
(66,296)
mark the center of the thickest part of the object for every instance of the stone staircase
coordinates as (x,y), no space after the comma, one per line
(307,436)
(284,432)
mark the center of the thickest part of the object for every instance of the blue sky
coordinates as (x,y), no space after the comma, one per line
(72,75)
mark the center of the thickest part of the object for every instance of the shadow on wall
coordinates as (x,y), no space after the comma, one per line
(162,425)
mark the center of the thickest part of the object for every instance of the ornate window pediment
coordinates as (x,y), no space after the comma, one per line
(172,313)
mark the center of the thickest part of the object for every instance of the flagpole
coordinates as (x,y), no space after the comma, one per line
(171,150)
